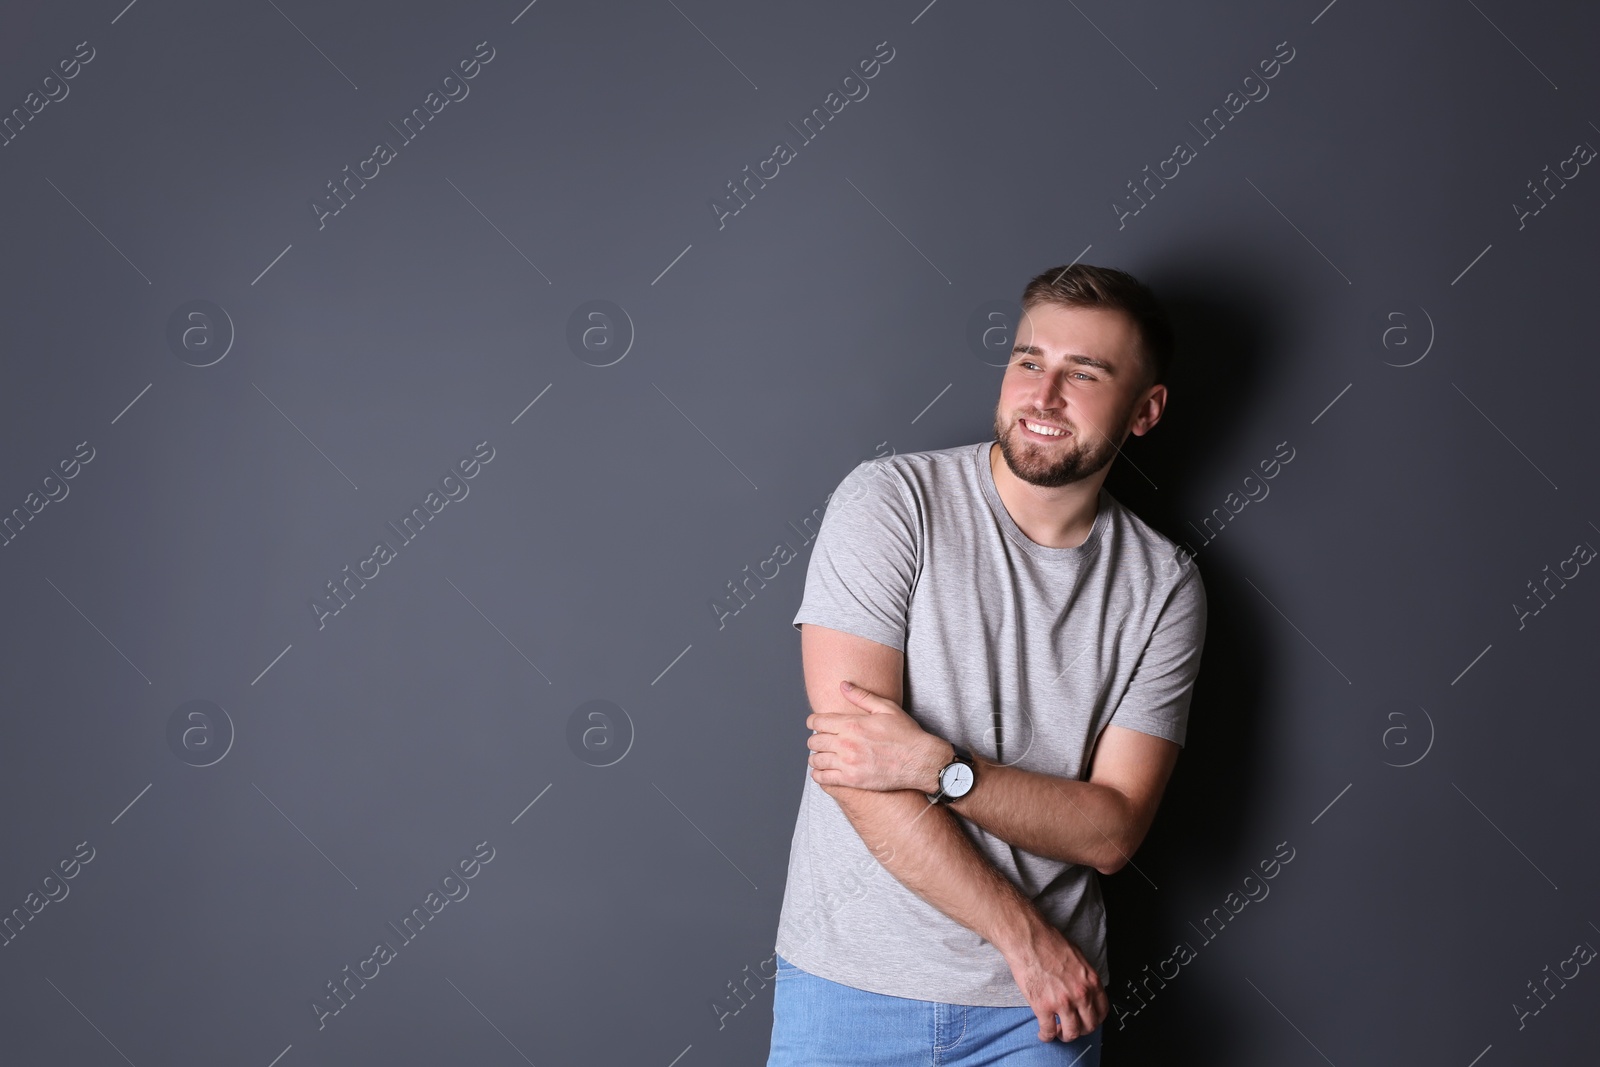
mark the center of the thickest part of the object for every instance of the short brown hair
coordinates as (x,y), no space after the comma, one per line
(1087,286)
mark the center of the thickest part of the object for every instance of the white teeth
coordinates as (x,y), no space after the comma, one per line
(1047,430)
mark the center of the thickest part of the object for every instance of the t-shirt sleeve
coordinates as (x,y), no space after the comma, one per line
(1158,694)
(864,559)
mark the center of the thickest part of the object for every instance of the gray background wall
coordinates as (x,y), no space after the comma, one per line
(1349,272)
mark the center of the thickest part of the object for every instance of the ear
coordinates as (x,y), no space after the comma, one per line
(1148,412)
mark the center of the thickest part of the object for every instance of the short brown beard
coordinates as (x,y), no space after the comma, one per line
(1073,466)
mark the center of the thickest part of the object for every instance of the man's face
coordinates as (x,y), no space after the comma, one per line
(1077,370)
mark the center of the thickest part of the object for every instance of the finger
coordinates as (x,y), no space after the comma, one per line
(1082,1023)
(864,697)
(832,722)
(869,701)
(1094,1005)
(1047,1024)
(823,742)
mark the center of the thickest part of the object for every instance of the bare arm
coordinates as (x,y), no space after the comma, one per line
(1099,822)
(926,850)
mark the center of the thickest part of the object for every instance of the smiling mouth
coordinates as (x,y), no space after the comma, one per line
(1044,432)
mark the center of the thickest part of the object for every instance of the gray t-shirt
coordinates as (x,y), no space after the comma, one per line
(1019,652)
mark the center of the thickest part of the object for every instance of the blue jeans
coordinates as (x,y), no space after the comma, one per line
(820,1023)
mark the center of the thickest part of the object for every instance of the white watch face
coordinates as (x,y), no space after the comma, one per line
(956,780)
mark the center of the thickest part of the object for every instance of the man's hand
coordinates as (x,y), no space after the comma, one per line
(880,747)
(1057,980)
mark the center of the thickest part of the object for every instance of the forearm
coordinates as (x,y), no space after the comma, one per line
(924,848)
(1060,818)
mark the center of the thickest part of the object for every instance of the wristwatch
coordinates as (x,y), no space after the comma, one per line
(956,778)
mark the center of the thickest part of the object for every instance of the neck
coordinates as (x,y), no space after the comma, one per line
(1051,516)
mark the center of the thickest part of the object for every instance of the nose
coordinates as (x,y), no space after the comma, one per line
(1047,394)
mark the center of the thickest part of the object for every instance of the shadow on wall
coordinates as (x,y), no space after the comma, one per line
(1229,324)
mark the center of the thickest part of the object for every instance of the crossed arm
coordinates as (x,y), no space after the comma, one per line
(872,758)
(920,844)
(870,740)
(866,743)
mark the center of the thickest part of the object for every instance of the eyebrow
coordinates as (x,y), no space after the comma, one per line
(1035,350)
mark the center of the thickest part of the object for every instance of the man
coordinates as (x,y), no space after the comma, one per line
(1023,650)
